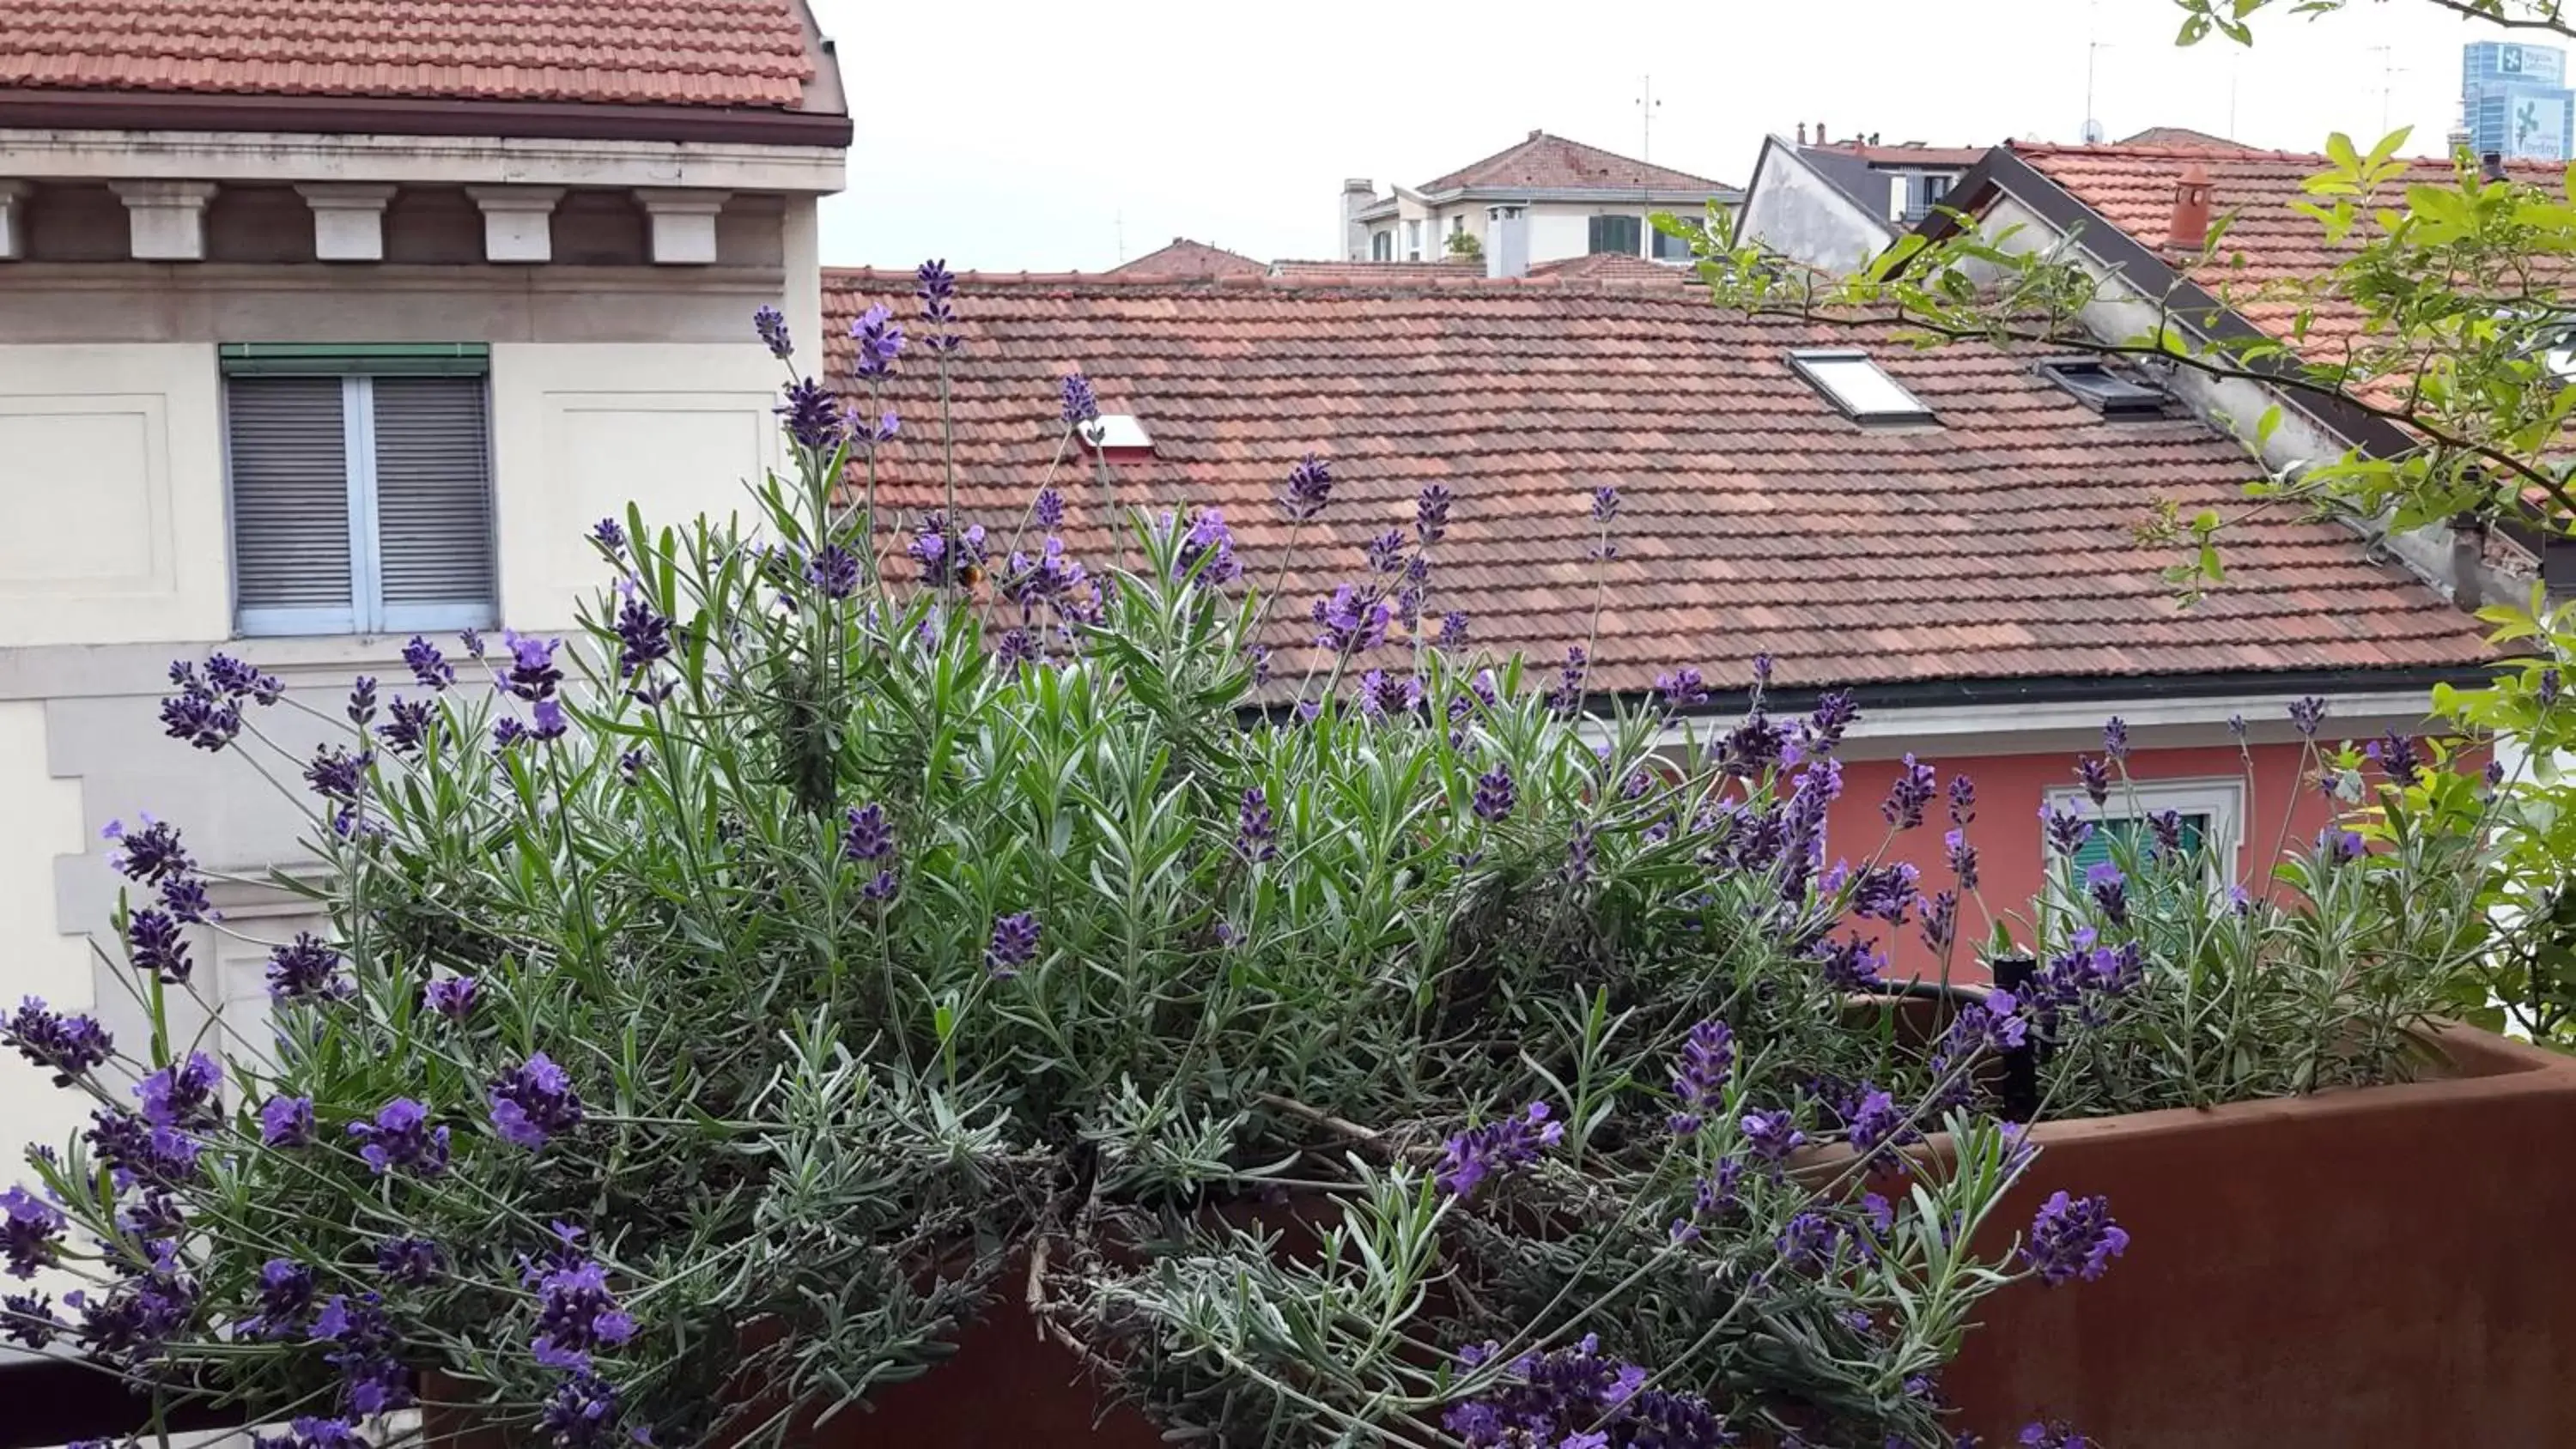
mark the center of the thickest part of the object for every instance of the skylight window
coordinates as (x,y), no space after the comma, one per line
(1117,432)
(2106,392)
(1856,385)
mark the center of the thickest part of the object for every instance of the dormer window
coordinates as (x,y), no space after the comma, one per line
(1858,387)
(2109,393)
(1117,433)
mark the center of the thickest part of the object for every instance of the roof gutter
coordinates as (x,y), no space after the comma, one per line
(361,115)
(2189,304)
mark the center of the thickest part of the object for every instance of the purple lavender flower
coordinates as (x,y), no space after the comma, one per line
(576,1314)
(1962,857)
(2546,689)
(880,340)
(1823,728)
(1078,404)
(2073,1238)
(182,1095)
(1771,1136)
(948,556)
(1605,503)
(1886,891)
(286,1121)
(2396,756)
(1500,1147)
(1807,1244)
(1700,1077)
(363,1341)
(583,1414)
(2109,889)
(204,721)
(1681,689)
(28,1319)
(452,996)
(1567,697)
(285,1300)
(1384,696)
(2164,831)
(362,701)
(2067,831)
(1310,487)
(1350,622)
(834,570)
(410,1261)
(2115,738)
(2338,843)
(866,834)
(150,854)
(532,675)
(547,720)
(303,968)
(408,726)
(155,944)
(533,1102)
(67,1046)
(1851,964)
(428,665)
(2052,1434)
(506,732)
(472,641)
(312,1433)
(771,324)
(1018,649)
(1941,921)
(135,1151)
(1495,794)
(1431,513)
(936,286)
(1254,834)
(335,774)
(644,635)
(1206,552)
(2095,778)
(31,1233)
(1909,795)
(237,680)
(1014,944)
(401,1137)
(1874,1119)
(1453,629)
(813,415)
(2308,714)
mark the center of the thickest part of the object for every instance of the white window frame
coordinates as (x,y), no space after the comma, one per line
(1382,244)
(367,613)
(1413,240)
(2219,797)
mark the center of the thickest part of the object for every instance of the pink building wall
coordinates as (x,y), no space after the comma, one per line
(2007,831)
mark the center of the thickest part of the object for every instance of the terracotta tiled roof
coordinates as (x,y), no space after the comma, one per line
(1553,163)
(1615,267)
(1382,274)
(2132,187)
(1185,258)
(1993,547)
(664,52)
(2182,136)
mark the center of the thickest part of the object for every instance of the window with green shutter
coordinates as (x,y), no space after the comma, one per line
(361,483)
(2097,846)
(1624,235)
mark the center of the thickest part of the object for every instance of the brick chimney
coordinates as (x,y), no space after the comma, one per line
(1507,241)
(2190,228)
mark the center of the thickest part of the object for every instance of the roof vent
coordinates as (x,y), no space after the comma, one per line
(1117,433)
(2106,392)
(1856,385)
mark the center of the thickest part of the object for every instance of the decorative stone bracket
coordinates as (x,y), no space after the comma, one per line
(518,221)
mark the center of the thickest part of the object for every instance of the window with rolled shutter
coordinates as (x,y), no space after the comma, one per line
(361,489)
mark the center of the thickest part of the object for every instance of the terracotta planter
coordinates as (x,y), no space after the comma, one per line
(2390,1266)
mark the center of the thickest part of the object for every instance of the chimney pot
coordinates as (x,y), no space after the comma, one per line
(2190,228)
(2491,166)
(1802,133)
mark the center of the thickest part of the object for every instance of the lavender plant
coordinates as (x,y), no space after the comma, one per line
(861,917)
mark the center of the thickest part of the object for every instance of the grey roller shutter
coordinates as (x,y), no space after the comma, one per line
(433,502)
(290,499)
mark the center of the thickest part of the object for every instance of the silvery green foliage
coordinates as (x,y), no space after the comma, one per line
(747,991)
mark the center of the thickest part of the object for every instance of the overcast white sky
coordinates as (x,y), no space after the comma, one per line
(1015,135)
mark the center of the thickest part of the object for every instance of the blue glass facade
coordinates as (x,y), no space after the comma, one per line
(2516,101)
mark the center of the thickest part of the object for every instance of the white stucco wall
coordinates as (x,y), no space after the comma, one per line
(112,523)
(1798,214)
(36,958)
(579,431)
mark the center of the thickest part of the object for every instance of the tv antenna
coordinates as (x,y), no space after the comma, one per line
(1647,105)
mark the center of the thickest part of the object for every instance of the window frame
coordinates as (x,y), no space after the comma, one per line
(367,613)
(1595,223)
(1804,362)
(2221,798)
(1413,239)
(1382,244)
